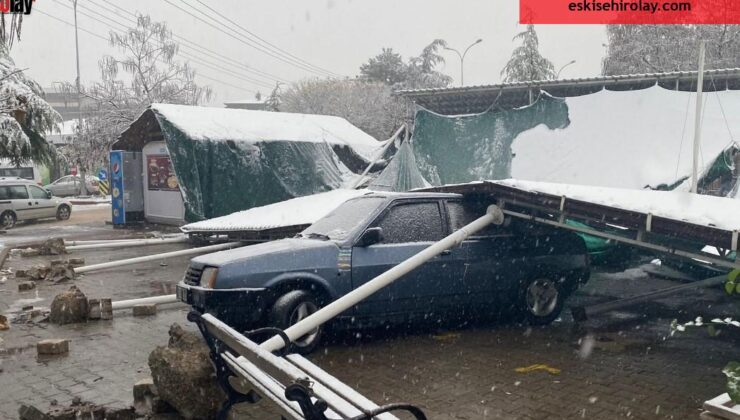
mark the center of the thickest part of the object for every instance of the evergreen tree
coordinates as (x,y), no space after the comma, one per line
(526,63)
(389,68)
(635,49)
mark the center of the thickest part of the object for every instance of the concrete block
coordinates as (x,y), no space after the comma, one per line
(146,309)
(30,252)
(20,273)
(29,412)
(52,346)
(76,262)
(106,308)
(93,308)
(26,285)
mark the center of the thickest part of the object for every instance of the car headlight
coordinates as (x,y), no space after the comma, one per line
(208,277)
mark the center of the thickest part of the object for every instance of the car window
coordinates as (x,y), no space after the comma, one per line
(37,192)
(4,193)
(344,219)
(18,192)
(461,214)
(412,222)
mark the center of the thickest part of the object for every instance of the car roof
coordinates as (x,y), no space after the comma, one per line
(16,180)
(402,195)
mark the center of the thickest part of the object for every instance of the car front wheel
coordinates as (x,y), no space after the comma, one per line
(8,219)
(291,308)
(63,212)
(542,301)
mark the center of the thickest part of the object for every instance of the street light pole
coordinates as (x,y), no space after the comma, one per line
(81,174)
(462,58)
(557,75)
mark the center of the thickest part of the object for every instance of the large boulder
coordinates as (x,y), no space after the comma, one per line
(69,307)
(184,376)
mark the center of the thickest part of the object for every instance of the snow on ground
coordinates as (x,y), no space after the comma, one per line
(240,125)
(297,211)
(627,139)
(720,212)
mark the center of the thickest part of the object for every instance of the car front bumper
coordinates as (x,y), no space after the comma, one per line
(243,307)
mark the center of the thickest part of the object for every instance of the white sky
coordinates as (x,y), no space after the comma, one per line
(338,35)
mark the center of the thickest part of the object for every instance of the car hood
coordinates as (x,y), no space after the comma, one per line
(283,247)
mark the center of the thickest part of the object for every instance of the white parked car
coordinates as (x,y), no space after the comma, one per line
(21,199)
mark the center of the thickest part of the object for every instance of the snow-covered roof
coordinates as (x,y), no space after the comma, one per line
(294,212)
(720,212)
(248,126)
(627,139)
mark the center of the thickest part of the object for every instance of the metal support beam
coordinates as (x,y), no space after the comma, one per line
(640,242)
(581,313)
(126,244)
(493,216)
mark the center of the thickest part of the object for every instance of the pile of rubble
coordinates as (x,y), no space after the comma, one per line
(57,271)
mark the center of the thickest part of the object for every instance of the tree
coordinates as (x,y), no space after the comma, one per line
(151,74)
(635,49)
(389,68)
(526,63)
(25,116)
(368,105)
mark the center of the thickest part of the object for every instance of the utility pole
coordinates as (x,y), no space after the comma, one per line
(697,121)
(81,173)
(462,58)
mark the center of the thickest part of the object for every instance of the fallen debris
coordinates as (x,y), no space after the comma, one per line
(4,325)
(69,307)
(531,368)
(52,346)
(106,308)
(60,273)
(38,272)
(30,315)
(93,309)
(147,400)
(145,309)
(30,252)
(77,410)
(20,273)
(53,246)
(184,376)
(25,286)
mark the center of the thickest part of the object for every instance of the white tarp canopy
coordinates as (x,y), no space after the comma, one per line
(720,212)
(247,126)
(627,139)
(297,211)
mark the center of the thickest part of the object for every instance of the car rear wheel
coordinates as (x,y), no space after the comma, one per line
(542,301)
(63,212)
(8,219)
(292,307)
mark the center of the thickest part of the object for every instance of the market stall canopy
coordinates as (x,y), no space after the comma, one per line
(228,160)
(629,139)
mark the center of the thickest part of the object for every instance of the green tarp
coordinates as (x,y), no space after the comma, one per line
(457,149)
(401,174)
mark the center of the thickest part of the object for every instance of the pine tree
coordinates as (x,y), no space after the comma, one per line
(526,63)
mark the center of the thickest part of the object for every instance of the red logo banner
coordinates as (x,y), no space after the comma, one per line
(629,12)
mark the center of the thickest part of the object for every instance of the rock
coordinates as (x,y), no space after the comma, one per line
(184,376)
(69,307)
(147,309)
(4,325)
(52,346)
(30,252)
(26,286)
(20,273)
(29,412)
(53,246)
(38,272)
(60,273)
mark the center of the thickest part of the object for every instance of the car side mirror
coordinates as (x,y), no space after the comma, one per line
(48,194)
(371,236)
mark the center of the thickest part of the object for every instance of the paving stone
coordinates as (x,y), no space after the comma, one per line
(147,309)
(52,346)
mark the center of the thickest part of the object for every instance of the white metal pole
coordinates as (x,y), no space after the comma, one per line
(380,155)
(697,121)
(493,215)
(159,300)
(156,257)
(142,242)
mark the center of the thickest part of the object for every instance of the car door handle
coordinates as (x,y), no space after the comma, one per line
(446,252)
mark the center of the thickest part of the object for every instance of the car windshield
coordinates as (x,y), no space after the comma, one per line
(338,224)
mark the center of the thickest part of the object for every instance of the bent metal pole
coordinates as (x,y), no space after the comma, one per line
(493,215)
(156,257)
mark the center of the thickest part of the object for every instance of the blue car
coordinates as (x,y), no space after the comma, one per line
(521,267)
